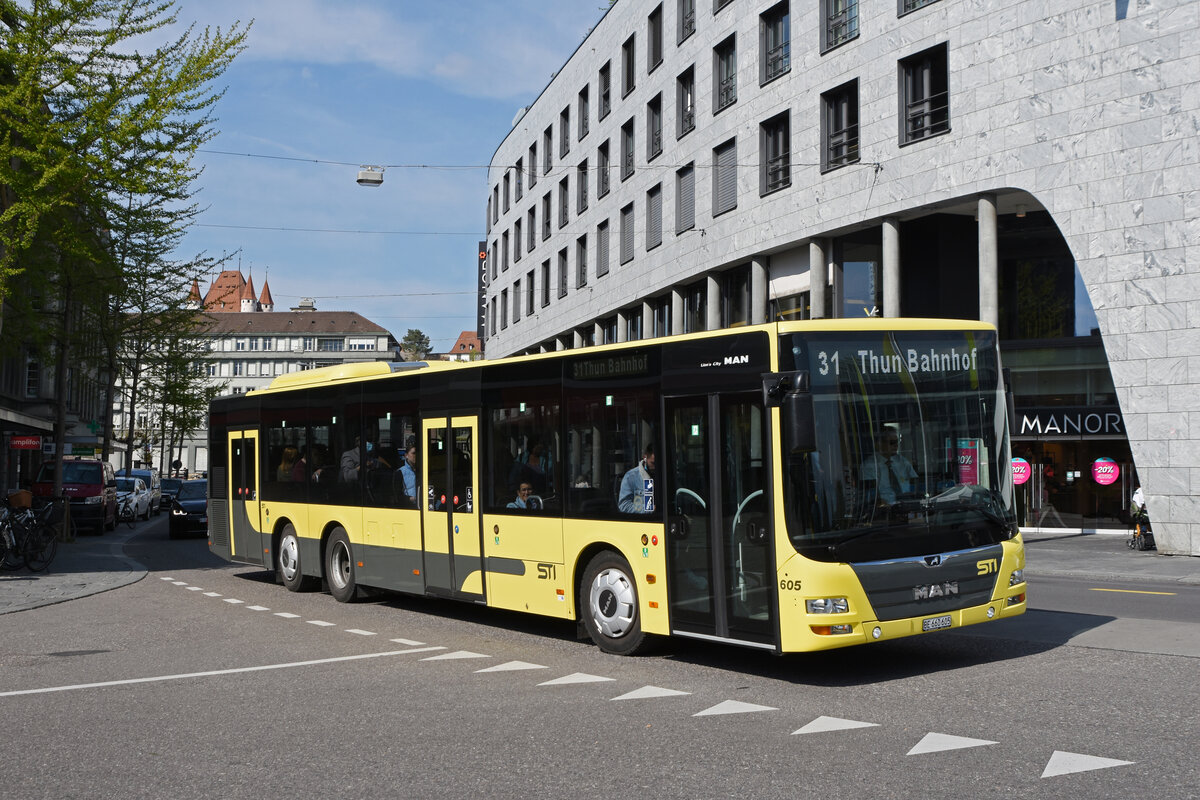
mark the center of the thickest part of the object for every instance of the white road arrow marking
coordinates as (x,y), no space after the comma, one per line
(827,724)
(576,677)
(457,654)
(1063,763)
(937,742)
(650,691)
(733,707)
(512,666)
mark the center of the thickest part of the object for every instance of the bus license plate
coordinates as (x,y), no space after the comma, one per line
(936,623)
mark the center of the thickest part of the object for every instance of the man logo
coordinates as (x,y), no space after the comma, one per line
(932,561)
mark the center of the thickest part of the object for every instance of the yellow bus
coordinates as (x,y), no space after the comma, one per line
(792,487)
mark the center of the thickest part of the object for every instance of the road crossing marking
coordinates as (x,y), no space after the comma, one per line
(828,724)
(409,642)
(647,692)
(457,654)
(575,677)
(937,742)
(358,632)
(212,594)
(286,615)
(195,589)
(1063,763)
(233,601)
(511,666)
(733,707)
(258,608)
(319,623)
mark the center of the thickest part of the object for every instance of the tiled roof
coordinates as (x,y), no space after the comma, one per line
(294,323)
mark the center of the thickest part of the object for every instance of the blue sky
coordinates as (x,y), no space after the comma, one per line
(371,82)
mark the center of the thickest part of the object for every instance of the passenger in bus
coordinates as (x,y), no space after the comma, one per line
(286,463)
(408,473)
(300,468)
(526,500)
(637,487)
(531,466)
(893,474)
(351,466)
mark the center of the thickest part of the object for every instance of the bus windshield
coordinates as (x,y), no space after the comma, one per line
(912,452)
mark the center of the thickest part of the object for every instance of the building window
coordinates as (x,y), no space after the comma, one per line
(627,234)
(546,224)
(495,204)
(608,329)
(685,199)
(564,132)
(492,321)
(583,112)
(529,293)
(562,272)
(841,22)
(547,150)
(494,260)
(533,175)
(906,6)
(654,143)
(925,104)
(487,218)
(516,298)
(725,74)
(627,149)
(564,197)
(531,227)
(628,70)
(545,283)
(685,102)
(516,241)
(775,147)
(662,316)
(581,261)
(633,325)
(602,169)
(33,378)
(735,297)
(694,306)
(687,19)
(519,173)
(504,251)
(654,39)
(506,192)
(725,177)
(240,344)
(503,309)
(839,126)
(581,185)
(776,42)
(605,90)
(602,249)
(239,368)
(654,217)
(719,4)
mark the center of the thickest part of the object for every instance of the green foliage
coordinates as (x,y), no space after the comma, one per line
(415,346)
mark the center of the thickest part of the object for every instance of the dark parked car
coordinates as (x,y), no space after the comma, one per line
(189,509)
(170,487)
(92,488)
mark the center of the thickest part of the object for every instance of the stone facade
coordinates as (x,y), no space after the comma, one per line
(1088,109)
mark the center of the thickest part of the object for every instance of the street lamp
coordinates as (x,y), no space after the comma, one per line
(370,176)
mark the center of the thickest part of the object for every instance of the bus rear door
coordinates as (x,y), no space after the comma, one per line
(453,550)
(244,505)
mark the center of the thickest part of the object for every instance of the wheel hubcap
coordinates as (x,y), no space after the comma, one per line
(339,565)
(613,603)
(289,557)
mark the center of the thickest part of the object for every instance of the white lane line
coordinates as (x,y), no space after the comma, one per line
(212,594)
(258,608)
(179,583)
(409,642)
(322,623)
(212,673)
(286,615)
(166,578)
(360,633)
(233,601)
(195,588)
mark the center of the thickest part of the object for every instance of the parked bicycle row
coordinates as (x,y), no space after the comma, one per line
(28,536)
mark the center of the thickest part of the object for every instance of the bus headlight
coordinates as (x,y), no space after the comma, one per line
(827,605)
(1018,576)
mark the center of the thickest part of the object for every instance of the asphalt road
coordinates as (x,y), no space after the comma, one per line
(208,680)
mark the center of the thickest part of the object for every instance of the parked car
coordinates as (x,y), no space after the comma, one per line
(140,495)
(91,487)
(189,509)
(169,488)
(150,477)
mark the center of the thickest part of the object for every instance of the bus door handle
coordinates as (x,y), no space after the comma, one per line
(678,527)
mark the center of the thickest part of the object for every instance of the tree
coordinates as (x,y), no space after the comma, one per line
(96,143)
(415,345)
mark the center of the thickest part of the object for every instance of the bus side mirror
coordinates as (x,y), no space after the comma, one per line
(790,392)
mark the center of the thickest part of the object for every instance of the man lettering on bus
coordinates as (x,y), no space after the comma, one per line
(637,487)
(892,473)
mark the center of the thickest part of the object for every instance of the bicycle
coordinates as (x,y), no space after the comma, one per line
(27,537)
(125,511)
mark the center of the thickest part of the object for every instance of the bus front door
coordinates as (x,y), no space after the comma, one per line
(453,550)
(719,549)
(244,504)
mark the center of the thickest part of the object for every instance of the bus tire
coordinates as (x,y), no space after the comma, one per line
(287,561)
(339,567)
(608,604)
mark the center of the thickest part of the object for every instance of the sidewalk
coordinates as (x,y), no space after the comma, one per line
(89,565)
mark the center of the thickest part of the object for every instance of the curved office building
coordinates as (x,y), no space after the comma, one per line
(1033,163)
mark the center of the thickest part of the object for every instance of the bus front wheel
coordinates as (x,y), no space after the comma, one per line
(609,605)
(339,567)
(287,561)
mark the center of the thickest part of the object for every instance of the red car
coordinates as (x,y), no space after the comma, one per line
(92,488)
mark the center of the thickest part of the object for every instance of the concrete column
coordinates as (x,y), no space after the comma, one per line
(578,339)
(759,301)
(647,320)
(622,326)
(891,267)
(818,278)
(712,303)
(676,312)
(597,334)
(989,270)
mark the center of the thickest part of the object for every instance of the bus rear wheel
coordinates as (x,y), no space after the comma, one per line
(287,561)
(609,605)
(339,567)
